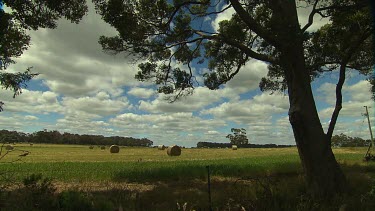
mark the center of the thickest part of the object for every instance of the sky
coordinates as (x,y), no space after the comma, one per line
(82,90)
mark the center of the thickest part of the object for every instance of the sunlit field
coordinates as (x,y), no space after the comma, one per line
(149,179)
(74,163)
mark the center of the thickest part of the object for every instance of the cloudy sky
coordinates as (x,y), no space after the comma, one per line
(82,90)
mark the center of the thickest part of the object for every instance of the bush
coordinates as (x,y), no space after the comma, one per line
(38,193)
(73,200)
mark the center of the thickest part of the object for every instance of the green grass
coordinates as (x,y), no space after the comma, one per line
(72,163)
(270,179)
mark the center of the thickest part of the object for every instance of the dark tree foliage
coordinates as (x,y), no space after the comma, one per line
(160,33)
(238,137)
(343,140)
(27,15)
(203,144)
(55,137)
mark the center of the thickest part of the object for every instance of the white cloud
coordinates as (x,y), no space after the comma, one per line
(141,92)
(93,105)
(71,61)
(31,102)
(248,78)
(248,111)
(226,15)
(30,117)
(201,98)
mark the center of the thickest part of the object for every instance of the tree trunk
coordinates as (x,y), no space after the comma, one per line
(324,176)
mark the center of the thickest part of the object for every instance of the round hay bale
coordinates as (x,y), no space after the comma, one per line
(102,147)
(161,147)
(234,147)
(174,150)
(91,147)
(114,149)
(9,147)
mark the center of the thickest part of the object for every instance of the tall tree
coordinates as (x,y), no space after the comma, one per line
(238,137)
(22,16)
(161,32)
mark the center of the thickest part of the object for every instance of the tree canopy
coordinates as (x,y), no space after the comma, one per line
(165,31)
(160,33)
(238,137)
(22,16)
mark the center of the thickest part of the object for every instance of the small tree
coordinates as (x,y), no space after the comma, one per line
(238,137)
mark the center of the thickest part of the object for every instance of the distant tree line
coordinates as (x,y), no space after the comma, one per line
(228,145)
(55,137)
(343,140)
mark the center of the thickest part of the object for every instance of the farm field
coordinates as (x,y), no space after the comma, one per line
(79,163)
(183,178)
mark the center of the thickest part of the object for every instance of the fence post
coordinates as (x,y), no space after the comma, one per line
(209,188)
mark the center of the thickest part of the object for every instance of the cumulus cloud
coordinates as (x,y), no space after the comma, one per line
(71,62)
(247,111)
(31,101)
(248,78)
(201,98)
(141,92)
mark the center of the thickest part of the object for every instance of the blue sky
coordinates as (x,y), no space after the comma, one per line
(82,90)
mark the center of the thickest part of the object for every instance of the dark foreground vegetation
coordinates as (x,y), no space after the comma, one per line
(55,137)
(268,192)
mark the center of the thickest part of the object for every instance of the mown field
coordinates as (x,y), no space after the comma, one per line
(149,179)
(79,163)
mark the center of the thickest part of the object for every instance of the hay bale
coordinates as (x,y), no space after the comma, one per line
(174,150)
(161,147)
(102,147)
(114,149)
(9,147)
(91,147)
(234,147)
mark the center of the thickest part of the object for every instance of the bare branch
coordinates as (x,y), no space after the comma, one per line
(311,17)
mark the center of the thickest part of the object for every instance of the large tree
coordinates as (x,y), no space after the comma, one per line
(238,137)
(161,32)
(15,23)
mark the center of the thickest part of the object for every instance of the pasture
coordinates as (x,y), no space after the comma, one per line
(155,174)
(79,163)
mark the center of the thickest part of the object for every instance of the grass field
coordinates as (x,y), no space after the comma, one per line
(148,179)
(79,163)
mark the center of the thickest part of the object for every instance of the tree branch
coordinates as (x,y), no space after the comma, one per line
(338,105)
(242,47)
(349,53)
(253,25)
(311,17)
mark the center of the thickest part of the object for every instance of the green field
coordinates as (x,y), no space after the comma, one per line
(74,163)
(149,179)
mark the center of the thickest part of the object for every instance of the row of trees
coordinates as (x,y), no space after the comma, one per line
(343,140)
(55,137)
(228,145)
